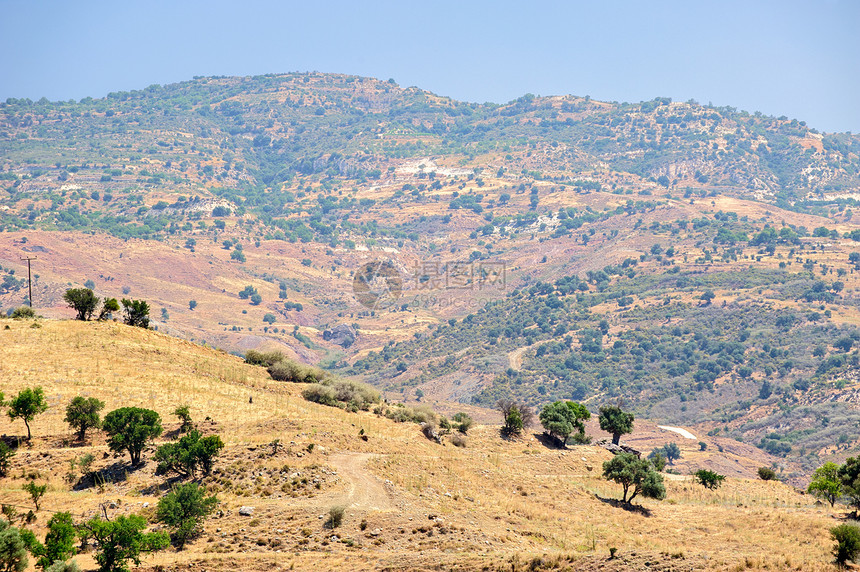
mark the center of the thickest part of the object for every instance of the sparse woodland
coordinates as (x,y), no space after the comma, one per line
(451,334)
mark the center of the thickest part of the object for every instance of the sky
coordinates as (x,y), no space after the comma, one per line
(798,58)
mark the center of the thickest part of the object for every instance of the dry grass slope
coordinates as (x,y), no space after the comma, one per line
(412,504)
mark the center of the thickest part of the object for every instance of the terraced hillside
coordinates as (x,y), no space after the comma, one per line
(697,262)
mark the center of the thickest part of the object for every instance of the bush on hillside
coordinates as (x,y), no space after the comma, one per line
(766,474)
(401,413)
(266,359)
(847,537)
(709,479)
(24,313)
(462,422)
(351,395)
(288,370)
(322,394)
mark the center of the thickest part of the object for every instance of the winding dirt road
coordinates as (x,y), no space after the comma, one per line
(364,491)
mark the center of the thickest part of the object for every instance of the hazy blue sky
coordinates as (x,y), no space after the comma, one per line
(799,58)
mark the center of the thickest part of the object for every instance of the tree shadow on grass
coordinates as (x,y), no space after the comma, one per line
(629,507)
(113,473)
(160,487)
(549,441)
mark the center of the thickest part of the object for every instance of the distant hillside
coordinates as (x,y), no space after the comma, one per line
(699,263)
(259,142)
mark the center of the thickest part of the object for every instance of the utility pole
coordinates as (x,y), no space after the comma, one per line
(29,278)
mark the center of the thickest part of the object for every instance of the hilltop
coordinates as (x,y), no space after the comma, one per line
(697,262)
(494,504)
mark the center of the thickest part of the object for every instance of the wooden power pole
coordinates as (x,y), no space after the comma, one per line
(29,278)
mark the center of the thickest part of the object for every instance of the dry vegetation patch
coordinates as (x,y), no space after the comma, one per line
(410,504)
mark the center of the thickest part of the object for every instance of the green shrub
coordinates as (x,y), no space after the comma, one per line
(342,393)
(184,509)
(400,413)
(335,516)
(183,412)
(766,474)
(847,537)
(288,370)
(60,566)
(658,460)
(321,394)
(6,454)
(122,539)
(24,313)
(266,359)
(59,543)
(462,422)
(708,479)
(188,454)
(13,554)
(458,440)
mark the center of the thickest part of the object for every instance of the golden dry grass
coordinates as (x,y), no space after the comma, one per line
(495,503)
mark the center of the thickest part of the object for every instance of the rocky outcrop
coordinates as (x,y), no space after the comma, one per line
(342,335)
(610,446)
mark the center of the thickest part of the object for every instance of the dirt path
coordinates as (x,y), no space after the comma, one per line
(364,491)
(682,432)
(515,358)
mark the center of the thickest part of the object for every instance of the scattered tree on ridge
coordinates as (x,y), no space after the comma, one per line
(136,312)
(83,413)
(26,405)
(83,301)
(130,428)
(709,479)
(516,416)
(615,421)
(562,418)
(634,473)
(826,483)
(122,539)
(184,509)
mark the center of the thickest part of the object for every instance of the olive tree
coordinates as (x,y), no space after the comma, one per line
(562,418)
(615,421)
(83,413)
(826,483)
(121,540)
(83,300)
(26,405)
(129,428)
(184,509)
(634,475)
(13,552)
